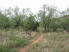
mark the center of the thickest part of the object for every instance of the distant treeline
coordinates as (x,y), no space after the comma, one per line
(47,18)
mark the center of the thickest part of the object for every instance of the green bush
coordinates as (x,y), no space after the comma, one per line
(4,48)
(56,25)
(13,45)
(59,30)
(30,24)
(8,49)
(16,22)
(21,42)
(4,21)
(1,48)
(18,42)
(66,25)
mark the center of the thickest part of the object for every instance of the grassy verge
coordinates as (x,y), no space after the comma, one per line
(52,42)
(12,40)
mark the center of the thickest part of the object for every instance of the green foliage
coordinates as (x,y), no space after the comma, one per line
(56,24)
(4,49)
(18,43)
(21,42)
(1,48)
(16,22)
(65,24)
(27,21)
(4,21)
(59,30)
(46,15)
(13,47)
(30,24)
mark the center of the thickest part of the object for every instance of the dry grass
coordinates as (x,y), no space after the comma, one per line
(16,39)
(52,42)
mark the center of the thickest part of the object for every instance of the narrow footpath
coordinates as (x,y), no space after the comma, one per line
(31,44)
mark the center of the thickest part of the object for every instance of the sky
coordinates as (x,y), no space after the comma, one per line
(34,5)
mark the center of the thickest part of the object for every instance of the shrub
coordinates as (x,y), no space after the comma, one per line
(55,25)
(4,21)
(59,30)
(66,25)
(4,49)
(21,42)
(16,22)
(30,24)
(1,48)
(18,42)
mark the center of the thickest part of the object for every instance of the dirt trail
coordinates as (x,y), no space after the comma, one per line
(31,44)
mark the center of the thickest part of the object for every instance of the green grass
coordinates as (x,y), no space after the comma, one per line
(12,40)
(7,49)
(13,46)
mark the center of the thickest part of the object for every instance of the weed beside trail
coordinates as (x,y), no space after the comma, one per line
(52,42)
(11,41)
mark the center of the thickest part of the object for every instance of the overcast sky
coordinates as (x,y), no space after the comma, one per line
(34,5)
